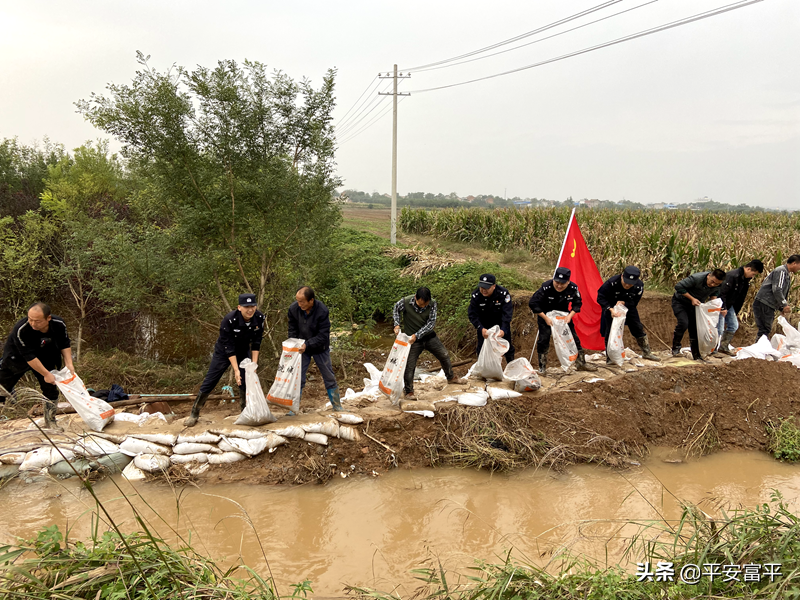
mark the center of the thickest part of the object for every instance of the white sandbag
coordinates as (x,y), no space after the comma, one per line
(134,447)
(329,427)
(41,458)
(165,439)
(192,448)
(112,463)
(225,458)
(422,413)
(317,438)
(181,459)
(349,433)
(778,342)
(707,317)
(248,447)
(205,437)
(196,468)
(348,418)
(473,398)
(496,393)
(140,420)
(256,411)
(792,335)
(374,374)
(291,431)
(285,390)
(792,358)
(563,340)
(94,446)
(524,376)
(152,463)
(133,473)
(12,458)
(391,381)
(245,434)
(489,360)
(114,438)
(761,349)
(96,413)
(615,349)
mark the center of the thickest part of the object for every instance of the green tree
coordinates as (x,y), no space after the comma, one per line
(237,177)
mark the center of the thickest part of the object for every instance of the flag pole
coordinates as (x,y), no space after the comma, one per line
(563,245)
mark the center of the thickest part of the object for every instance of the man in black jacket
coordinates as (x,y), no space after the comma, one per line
(624,289)
(733,293)
(37,343)
(690,292)
(489,305)
(558,293)
(240,336)
(309,320)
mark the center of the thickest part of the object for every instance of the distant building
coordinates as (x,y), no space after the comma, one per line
(671,206)
(522,204)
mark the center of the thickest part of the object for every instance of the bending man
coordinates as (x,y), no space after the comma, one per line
(733,293)
(240,336)
(37,343)
(690,292)
(490,305)
(625,289)
(418,314)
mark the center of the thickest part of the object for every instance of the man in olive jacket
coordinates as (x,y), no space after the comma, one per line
(690,292)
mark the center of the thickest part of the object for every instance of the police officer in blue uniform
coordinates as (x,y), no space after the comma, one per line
(491,305)
(240,336)
(625,289)
(558,293)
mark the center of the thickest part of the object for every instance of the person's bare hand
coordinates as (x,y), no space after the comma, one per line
(501,333)
(548,320)
(696,302)
(485,333)
(413,338)
(396,329)
(302,349)
(48,378)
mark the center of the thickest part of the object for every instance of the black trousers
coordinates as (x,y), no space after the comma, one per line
(687,319)
(506,336)
(632,320)
(219,364)
(433,345)
(10,376)
(764,316)
(546,332)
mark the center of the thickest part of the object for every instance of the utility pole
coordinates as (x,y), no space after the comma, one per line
(394,95)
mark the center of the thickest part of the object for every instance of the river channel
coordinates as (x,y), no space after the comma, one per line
(372,532)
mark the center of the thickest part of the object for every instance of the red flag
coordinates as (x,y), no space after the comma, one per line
(576,257)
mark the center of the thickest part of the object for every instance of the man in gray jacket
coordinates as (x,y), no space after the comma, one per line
(773,295)
(690,292)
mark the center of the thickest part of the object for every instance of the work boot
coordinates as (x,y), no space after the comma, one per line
(644,344)
(50,416)
(581,364)
(336,402)
(727,338)
(542,364)
(199,402)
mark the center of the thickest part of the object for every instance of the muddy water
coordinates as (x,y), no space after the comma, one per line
(374,531)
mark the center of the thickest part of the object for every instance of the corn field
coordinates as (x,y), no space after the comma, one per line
(665,245)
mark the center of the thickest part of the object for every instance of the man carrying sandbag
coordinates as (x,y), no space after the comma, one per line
(773,295)
(733,293)
(693,291)
(309,320)
(418,316)
(240,336)
(558,293)
(625,289)
(37,343)
(490,305)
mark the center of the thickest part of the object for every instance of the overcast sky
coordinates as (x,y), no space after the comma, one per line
(711,108)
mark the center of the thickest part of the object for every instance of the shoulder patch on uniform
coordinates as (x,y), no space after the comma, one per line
(508,298)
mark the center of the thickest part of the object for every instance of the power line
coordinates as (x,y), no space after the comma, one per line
(678,23)
(372,122)
(363,105)
(536,41)
(518,37)
(364,112)
(344,116)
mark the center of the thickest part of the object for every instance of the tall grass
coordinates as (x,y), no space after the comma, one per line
(666,245)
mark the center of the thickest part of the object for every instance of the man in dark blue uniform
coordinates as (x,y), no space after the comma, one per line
(240,336)
(624,289)
(558,293)
(37,343)
(491,305)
